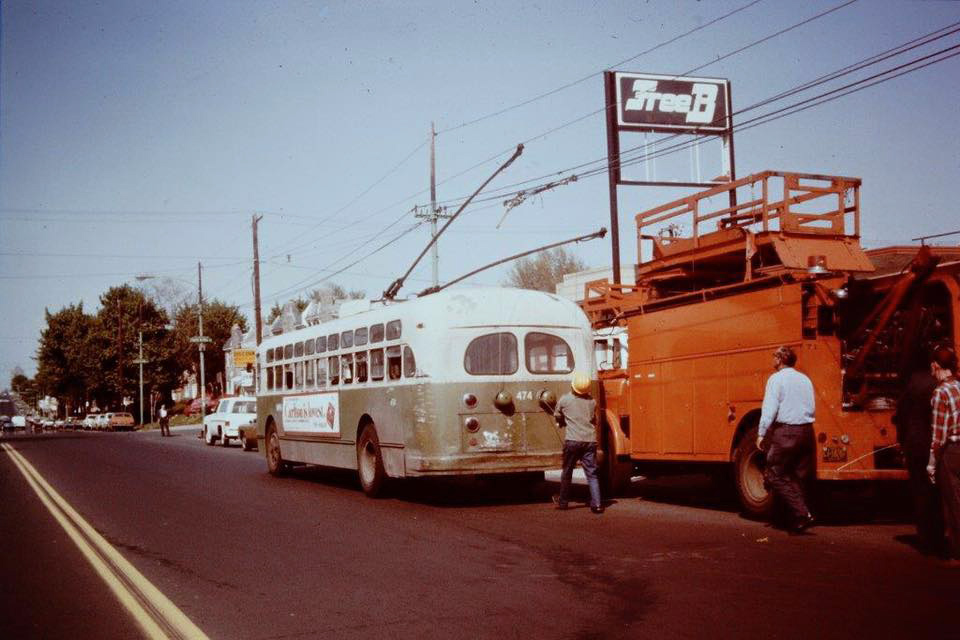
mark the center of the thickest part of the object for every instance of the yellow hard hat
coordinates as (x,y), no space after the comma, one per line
(580,383)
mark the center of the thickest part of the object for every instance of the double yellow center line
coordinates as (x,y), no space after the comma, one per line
(157,616)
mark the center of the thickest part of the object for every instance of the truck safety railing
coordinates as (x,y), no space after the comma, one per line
(801,203)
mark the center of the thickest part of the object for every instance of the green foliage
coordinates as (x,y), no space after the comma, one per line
(544,270)
(218,321)
(66,355)
(83,357)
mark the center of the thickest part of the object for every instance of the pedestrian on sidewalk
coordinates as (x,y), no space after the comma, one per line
(944,463)
(786,434)
(577,413)
(164,421)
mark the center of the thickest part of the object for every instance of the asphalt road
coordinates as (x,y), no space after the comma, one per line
(246,555)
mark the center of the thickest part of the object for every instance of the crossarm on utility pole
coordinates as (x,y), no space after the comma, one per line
(397,284)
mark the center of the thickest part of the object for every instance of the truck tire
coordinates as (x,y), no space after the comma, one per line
(748,466)
(373,477)
(615,474)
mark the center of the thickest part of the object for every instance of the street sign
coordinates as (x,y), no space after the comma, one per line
(140,361)
(201,339)
(243,357)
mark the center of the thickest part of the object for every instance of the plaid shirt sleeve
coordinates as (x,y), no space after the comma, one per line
(946,414)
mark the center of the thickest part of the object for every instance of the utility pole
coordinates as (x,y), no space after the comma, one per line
(256,280)
(434,213)
(201,341)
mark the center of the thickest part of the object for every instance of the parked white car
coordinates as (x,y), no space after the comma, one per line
(102,422)
(224,424)
(90,421)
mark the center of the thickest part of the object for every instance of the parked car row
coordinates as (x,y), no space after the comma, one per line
(110,421)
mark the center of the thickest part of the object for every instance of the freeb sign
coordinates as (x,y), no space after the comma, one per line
(647,102)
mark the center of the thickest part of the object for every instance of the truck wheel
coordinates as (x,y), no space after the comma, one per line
(748,466)
(275,462)
(615,474)
(373,477)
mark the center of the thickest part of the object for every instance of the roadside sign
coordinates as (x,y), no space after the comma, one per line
(243,357)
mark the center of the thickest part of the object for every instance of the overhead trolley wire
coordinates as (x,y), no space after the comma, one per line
(509,190)
(596,73)
(605,108)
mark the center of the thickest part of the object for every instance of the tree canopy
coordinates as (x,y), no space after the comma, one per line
(83,358)
(543,271)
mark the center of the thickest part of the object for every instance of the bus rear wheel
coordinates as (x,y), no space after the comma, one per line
(276,465)
(373,477)
(748,467)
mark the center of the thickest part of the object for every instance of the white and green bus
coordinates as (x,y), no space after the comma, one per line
(458,382)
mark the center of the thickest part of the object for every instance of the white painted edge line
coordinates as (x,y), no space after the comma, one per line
(157,616)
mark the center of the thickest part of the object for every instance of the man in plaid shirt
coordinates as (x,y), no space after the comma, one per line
(944,464)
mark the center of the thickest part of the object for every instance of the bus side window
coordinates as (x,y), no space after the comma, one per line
(376,364)
(269,378)
(334,369)
(308,373)
(298,368)
(288,376)
(361,366)
(393,362)
(278,377)
(321,372)
(346,367)
(409,363)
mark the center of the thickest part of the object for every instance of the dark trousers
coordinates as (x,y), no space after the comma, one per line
(790,467)
(586,454)
(927,506)
(948,477)
(164,426)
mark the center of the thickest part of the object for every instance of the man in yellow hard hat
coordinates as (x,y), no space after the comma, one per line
(577,411)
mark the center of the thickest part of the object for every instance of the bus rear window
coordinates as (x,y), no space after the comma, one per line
(546,353)
(492,354)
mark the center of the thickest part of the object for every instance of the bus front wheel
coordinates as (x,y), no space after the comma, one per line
(748,465)
(275,462)
(373,477)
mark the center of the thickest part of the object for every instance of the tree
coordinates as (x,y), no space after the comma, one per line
(543,271)
(66,358)
(218,321)
(126,313)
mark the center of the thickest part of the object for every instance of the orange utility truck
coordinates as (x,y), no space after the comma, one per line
(722,287)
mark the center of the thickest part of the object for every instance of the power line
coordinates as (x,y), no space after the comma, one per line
(507,190)
(701,66)
(595,74)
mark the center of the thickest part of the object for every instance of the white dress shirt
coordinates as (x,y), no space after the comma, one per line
(788,399)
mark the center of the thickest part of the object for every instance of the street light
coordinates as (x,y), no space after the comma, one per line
(200,339)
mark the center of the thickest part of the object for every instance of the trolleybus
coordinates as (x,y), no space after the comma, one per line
(459,382)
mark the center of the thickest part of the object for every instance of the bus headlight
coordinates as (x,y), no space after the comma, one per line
(472,424)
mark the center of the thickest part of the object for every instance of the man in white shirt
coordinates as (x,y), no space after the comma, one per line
(786,433)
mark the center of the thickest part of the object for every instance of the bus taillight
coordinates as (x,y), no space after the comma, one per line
(470,400)
(472,424)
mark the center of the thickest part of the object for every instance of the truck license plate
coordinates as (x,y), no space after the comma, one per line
(834,454)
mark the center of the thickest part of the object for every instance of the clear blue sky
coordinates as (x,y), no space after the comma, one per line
(139,137)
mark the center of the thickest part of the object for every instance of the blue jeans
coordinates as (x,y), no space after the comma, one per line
(586,454)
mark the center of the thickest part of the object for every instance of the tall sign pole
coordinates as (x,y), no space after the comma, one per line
(613,169)
(644,102)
